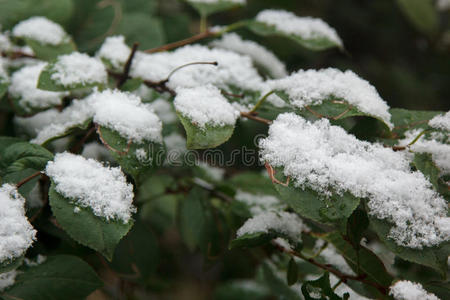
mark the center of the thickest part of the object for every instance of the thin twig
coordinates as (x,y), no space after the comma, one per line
(25,180)
(77,147)
(184,42)
(271,173)
(104,142)
(214,63)
(399,148)
(126,68)
(261,101)
(253,117)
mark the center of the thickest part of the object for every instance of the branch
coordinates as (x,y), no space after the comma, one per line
(29,178)
(342,276)
(17,54)
(126,68)
(252,116)
(184,42)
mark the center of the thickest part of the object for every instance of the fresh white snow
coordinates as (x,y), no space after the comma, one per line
(328,160)
(407,290)
(312,87)
(115,50)
(42,30)
(441,121)
(303,27)
(16,232)
(259,203)
(259,54)
(205,105)
(164,110)
(90,184)
(7,279)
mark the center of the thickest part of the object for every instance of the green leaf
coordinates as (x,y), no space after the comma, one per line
(10,265)
(46,82)
(250,240)
(361,260)
(421,13)
(59,277)
(143,28)
(292,272)
(49,52)
(254,183)
(433,257)
(23,155)
(356,226)
(405,119)
(204,138)
(320,286)
(4,84)
(126,153)
(86,228)
(137,253)
(205,9)
(424,163)
(192,218)
(316,43)
(308,203)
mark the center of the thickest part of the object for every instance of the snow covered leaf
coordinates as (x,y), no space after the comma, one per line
(363,260)
(311,33)
(206,115)
(267,226)
(320,287)
(23,155)
(421,13)
(47,38)
(58,277)
(333,94)
(91,202)
(434,257)
(26,97)
(114,52)
(407,290)
(71,72)
(208,7)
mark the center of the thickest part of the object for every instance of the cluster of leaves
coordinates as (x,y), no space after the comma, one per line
(187,214)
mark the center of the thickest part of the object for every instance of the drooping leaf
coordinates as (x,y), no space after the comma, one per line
(421,13)
(59,277)
(134,158)
(192,218)
(207,8)
(204,138)
(322,287)
(86,228)
(316,43)
(433,257)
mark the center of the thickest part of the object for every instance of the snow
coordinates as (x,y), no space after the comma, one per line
(76,114)
(164,110)
(331,256)
(259,203)
(115,51)
(328,160)
(407,290)
(124,113)
(259,54)
(96,151)
(5,43)
(443,5)
(3,73)
(441,121)
(311,87)
(214,173)
(42,30)
(16,232)
(7,279)
(232,69)
(205,105)
(440,151)
(78,68)
(24,87)
(89,184)
(288,224)
(175,143)
(32,125)
(303,27)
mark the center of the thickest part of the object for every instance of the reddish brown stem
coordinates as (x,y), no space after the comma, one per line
(253,117)
(127,67)
(25,180)
(184,42)
(100,136)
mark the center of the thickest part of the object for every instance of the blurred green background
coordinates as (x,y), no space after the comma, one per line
(408,65)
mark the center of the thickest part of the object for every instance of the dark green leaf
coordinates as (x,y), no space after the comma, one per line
(49,52)
(59,277)
(4,84)
(424,163)
(242,289)
(292,272)
(254,183)
(434,257)
(252,240)
(356,226)
(143,28)
(405,119)
(321,286)
(206,9)
(317,43)
(10,265)
(85,227)
(421,13)
(208,137)
(23,155)
(192,218)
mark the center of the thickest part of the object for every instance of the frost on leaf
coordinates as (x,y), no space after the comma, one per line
(92,185)
(407,290)
(77,70)
(441,122)
(29,97)
(312,32)
(205,105)
(328,160)
(285,223)
(312,87)
(42,30)
(16,233)
(125,114)
(114,51)
(232,69)
(259,54)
